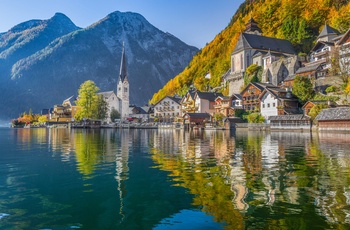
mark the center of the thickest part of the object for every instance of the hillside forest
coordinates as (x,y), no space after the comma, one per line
(299,21)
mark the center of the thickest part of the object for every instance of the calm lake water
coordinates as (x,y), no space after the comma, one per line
(170,179)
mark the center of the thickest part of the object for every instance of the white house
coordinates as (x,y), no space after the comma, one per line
(167,109)
(277,101)
(204,102)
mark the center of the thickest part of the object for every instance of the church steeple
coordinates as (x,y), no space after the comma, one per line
(123,71)
(252,27)
(123,87)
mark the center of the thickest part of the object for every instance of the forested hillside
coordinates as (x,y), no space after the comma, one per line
(299,21)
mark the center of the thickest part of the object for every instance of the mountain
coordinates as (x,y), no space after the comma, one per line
(40,76)
(298,21)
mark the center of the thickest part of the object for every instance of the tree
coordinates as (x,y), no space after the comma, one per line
(101,108)
(314,111)
(255,118)
(302,88)
(114,114)
(42,119)
(87,100)
(253,74)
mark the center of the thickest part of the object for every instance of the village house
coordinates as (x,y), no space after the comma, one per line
(198,120)
(139,113)
(291,122)
(64,112)
(228,105)
(343,47)
(251,93)
(204,102)
(310,104)
(335,119)
(187,102)
(278,101)
(167,109)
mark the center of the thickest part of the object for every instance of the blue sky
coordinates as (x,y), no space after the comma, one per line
(195,22)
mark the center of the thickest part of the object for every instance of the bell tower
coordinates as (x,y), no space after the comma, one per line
(123,87)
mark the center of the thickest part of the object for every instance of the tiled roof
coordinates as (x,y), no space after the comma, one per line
(308,68)
(339,113)
(259,42)
(208,95)
(295,117)
(198,115)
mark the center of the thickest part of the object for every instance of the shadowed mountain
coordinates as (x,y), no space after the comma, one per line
(39,77)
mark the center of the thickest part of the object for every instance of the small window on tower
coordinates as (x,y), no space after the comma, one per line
(125,89)
(119,89)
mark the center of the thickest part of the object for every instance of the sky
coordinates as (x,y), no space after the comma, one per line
(195,22)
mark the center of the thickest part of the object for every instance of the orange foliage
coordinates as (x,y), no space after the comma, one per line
(298,20)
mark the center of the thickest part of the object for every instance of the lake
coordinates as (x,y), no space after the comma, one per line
(173,179)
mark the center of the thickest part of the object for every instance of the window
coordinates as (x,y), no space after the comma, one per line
(273,105)
(242,61)
(125,89)
(268,105)
(263,105)
(233,65)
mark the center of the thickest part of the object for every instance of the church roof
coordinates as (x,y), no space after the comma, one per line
(327,30)
(123,71)
(262,43)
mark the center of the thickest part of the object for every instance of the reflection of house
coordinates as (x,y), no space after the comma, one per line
(337,119)
(227,105)
(277,101)
(167,109)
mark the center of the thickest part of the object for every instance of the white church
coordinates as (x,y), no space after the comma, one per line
(119,100)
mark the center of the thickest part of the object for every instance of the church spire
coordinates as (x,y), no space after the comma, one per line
(123,72)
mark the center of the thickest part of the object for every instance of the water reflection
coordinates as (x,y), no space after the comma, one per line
(261,180)
(131,179)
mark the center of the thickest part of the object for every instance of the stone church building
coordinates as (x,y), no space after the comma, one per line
(277,57)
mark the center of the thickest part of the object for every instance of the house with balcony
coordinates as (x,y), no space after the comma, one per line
(251,94)
(187,102)
(320,54)
(168,109)
(228,105)
(343,46)
(64,112)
